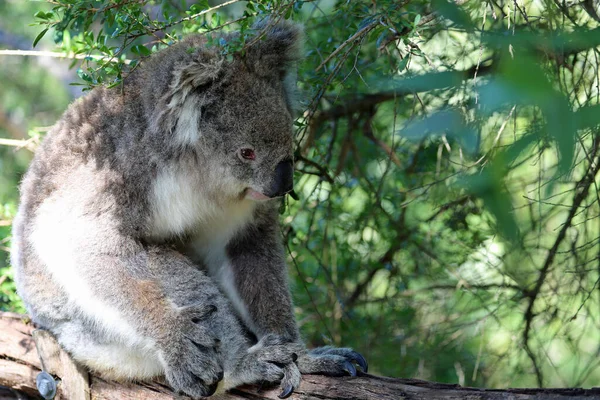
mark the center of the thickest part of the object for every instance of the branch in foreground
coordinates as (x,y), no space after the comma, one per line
(20,364)
(54,54)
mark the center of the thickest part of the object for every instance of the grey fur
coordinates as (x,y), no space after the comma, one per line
(138,242)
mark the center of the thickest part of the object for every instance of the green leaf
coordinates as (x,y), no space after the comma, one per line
(588,117)
(403,63)
(425,82)
(448,121)
(39,36)
(83,75)
(417,20)
(66,40)
(524,76)
(488,186)
(452,12)
(513,151)
(365,22)
(43,15)
(437,122)
(203,5)
(562,128)
(141,50)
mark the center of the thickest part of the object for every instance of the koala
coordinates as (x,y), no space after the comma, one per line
(147,236)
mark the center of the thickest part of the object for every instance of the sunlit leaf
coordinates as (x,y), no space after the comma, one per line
(453,12)
(39,37)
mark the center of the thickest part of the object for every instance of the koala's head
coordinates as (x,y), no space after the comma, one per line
(237,115)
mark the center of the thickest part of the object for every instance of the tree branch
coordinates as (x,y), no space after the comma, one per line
(368,102)
(20,364)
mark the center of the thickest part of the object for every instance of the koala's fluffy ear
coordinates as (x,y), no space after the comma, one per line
(276,48)
(275,52)
(205,68)
(190,76)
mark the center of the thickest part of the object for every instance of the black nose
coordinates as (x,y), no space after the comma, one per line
(283,181)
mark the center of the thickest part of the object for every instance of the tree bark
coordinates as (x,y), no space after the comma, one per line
(22,346)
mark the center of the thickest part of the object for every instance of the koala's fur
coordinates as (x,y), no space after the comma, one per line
(141,239)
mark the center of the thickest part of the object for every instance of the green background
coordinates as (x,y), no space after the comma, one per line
(447,169)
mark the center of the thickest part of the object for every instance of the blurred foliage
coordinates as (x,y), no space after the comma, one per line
(448,156)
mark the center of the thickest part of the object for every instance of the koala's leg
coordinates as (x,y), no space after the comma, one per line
(257,261)
(50,307)
(198,337)
(257,258)
(107,355)
(243,361)
(116,288)
(127,313)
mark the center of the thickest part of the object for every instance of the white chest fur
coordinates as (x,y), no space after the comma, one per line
(176,204)
(182,203)
(209,246)
(179,207)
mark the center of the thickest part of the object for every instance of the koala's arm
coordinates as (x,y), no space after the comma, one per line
(258,259)
(258,262)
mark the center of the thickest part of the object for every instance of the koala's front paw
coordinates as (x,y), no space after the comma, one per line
(192,357)
(331,361)
(271,360)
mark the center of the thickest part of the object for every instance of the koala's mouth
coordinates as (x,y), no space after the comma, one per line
(281,184)
(255,195)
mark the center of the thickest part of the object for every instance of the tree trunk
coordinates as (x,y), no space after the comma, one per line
(22,349)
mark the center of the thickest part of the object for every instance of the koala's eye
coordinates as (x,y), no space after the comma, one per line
(247,154)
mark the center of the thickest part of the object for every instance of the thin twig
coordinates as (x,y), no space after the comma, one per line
(194,16)
(351,39)
(29,144)
(55,54)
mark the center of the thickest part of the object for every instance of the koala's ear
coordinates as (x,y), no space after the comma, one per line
(276,48)
(275,51)
(203,69)
(188,77)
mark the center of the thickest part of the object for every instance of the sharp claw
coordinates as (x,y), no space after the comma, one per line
(360,360)
(286,392)
(211,389)
(348,367)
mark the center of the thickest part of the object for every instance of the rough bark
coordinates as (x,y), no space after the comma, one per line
(21,346)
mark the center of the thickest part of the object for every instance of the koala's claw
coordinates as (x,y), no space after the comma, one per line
(291,380)
(286,392)
(348,367)
(358,359)
(271,360)
(349,354)
(211,388)
(332,361)
(193,363)
(191,384)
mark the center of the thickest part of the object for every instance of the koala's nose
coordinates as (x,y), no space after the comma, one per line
(283,182)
